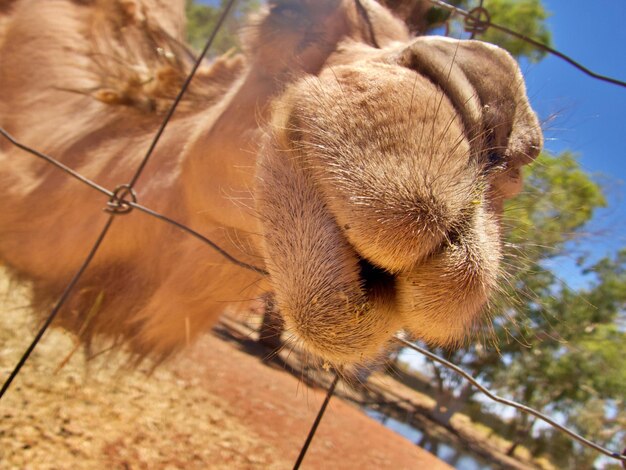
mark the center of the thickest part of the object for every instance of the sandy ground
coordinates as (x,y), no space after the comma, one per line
(216,406)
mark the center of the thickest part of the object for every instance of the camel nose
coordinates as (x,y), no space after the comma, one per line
(400,219)
(397,178)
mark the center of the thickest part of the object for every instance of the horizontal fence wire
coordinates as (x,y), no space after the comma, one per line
(131,204)
(476,22)
(119,204)
(507,402)
(202,238)
(56,163)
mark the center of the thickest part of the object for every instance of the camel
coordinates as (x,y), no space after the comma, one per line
(363,169)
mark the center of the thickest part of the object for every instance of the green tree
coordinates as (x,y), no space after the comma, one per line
(576,368)
(526,17)
(558,200)
(592,419)
(558,349)
(202,17)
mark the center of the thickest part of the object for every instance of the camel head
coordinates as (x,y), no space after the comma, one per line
(381,182)
(363,169)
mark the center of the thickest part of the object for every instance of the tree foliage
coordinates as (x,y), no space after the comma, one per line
(526,17)
(555,348)
(202,18)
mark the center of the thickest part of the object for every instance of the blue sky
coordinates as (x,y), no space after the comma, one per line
(590,115)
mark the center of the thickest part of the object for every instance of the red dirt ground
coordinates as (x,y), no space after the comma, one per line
(214,407)
(280,410)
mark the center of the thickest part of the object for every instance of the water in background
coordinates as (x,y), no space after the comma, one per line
(455,456)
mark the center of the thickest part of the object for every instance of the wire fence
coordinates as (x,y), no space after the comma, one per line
(123,200)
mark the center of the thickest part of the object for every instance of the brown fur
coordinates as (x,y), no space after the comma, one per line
(363,169)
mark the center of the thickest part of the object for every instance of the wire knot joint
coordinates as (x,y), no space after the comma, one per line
(121,201)
(477,21)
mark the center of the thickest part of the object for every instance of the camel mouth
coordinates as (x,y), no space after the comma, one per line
(345,308)
(377,282)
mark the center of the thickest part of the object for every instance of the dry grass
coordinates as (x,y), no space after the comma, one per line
(97,415)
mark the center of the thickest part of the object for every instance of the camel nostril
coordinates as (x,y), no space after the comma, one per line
(379,284)
(375,276)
